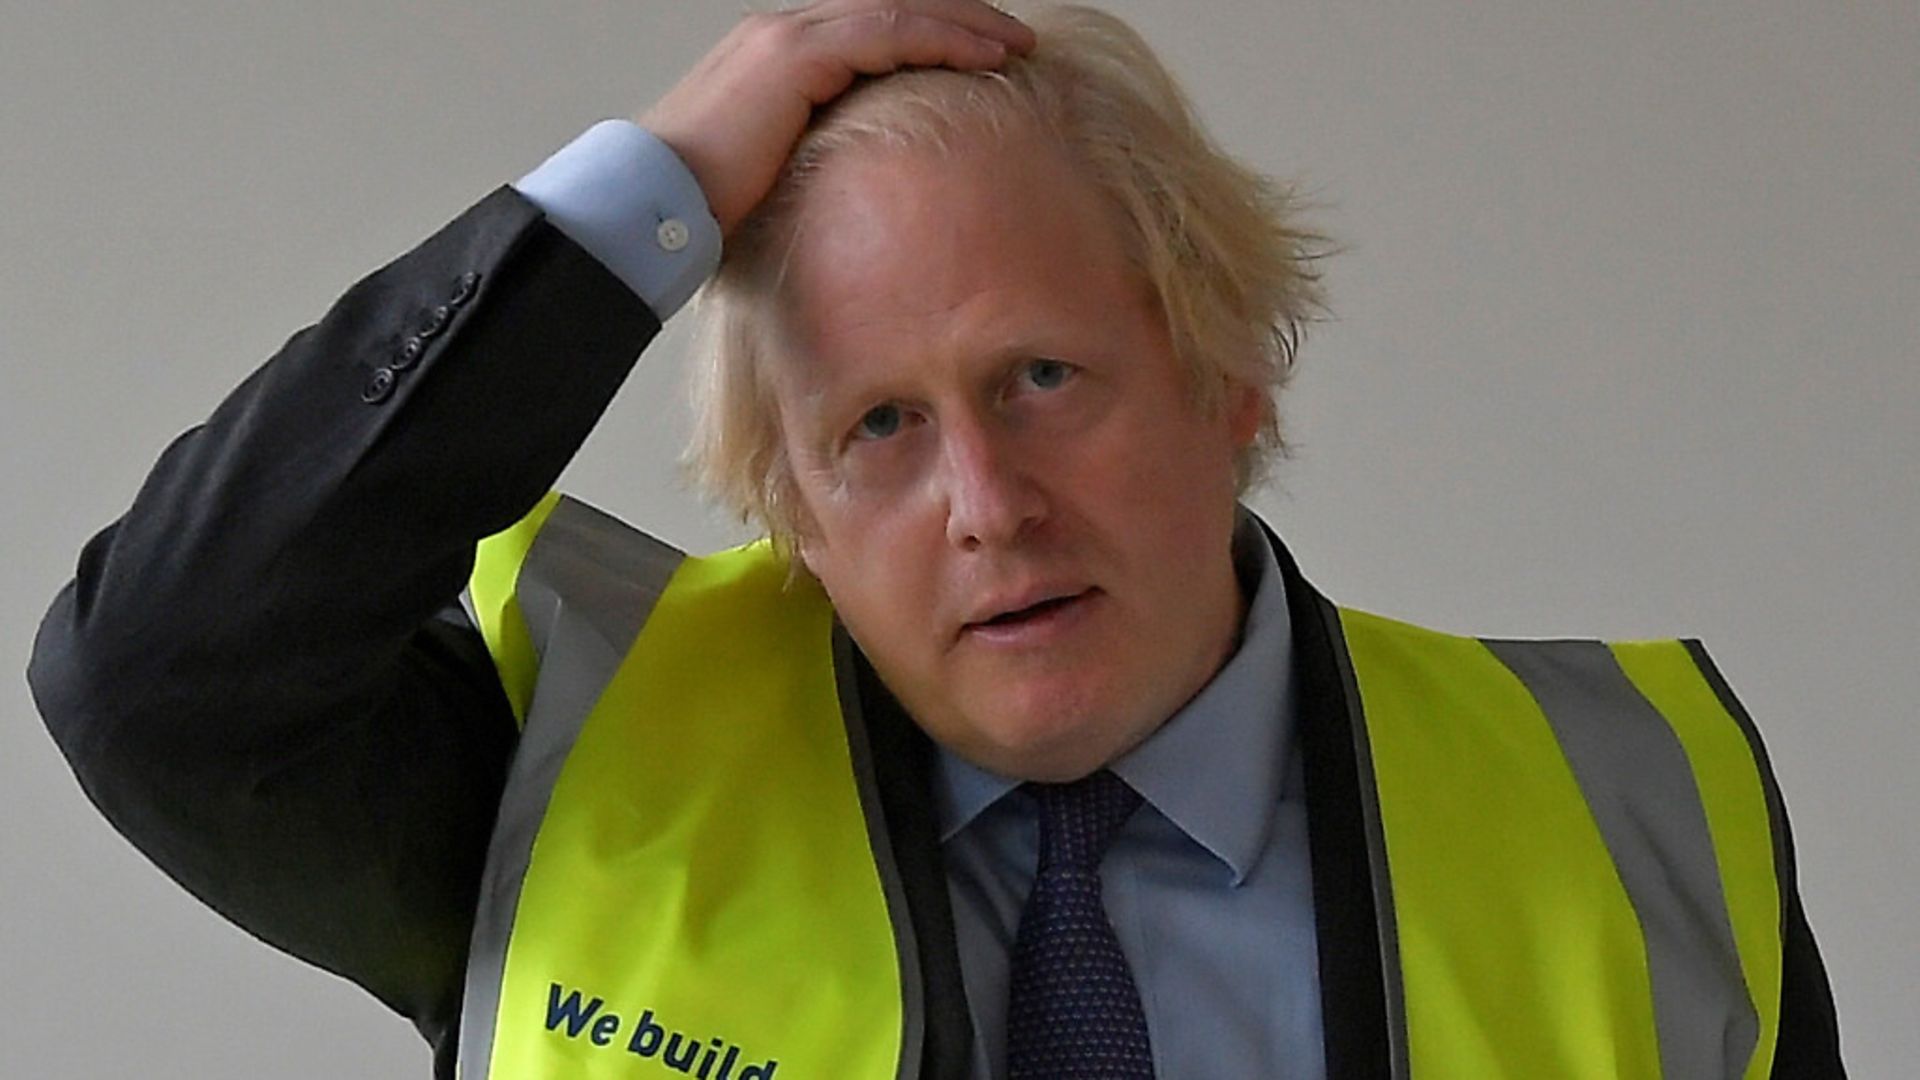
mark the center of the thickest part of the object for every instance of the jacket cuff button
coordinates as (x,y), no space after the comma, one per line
(379,386)
(469,283)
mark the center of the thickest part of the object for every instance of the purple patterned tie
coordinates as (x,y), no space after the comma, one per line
(1073,1012)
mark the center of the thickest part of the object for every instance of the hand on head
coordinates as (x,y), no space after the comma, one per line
(736,116)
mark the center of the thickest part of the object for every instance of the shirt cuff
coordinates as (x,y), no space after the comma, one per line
(628,199)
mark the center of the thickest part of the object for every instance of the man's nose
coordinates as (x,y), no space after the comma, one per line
(990,494)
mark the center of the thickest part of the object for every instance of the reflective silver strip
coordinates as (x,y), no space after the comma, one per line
(1640,788)
(587,586)
(905,941)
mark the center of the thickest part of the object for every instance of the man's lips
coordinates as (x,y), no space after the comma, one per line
(1029,613)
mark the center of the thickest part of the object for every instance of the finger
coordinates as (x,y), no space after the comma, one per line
(974,16)
(879,42)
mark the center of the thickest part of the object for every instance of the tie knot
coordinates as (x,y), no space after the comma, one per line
(1078,819)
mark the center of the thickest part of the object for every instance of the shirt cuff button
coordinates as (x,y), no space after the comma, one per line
(671,234)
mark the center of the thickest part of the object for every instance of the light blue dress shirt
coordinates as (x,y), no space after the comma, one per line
(1209,884)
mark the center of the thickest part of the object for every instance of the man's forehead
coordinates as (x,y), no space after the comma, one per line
(972,206)
(905,169)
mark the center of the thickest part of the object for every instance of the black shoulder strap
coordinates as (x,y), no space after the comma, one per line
(1357,954)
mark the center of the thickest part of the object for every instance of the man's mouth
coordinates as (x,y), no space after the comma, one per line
(1007,618)
(1034,622)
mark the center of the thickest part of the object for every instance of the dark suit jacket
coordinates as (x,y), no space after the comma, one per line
(260,675)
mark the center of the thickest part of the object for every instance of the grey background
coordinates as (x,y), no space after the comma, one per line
(1626,346)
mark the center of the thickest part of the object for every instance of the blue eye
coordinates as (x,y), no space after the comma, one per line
(1049,374)
(880,422)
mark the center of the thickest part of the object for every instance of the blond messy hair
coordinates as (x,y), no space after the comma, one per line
(1234,273)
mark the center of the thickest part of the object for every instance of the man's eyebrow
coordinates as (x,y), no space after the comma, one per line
(806,411)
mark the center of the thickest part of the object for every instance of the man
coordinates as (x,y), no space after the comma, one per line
(1020,751)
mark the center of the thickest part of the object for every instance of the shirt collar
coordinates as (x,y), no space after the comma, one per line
(1237,732)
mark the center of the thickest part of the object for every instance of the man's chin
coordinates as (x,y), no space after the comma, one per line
(1048,743)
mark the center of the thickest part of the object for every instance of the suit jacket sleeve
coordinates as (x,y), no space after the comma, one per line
(259,673)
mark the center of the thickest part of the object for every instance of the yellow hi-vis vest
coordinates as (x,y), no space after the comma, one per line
(1572,844)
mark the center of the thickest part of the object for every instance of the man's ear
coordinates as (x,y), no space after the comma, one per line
(1246,408)
(805,547)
